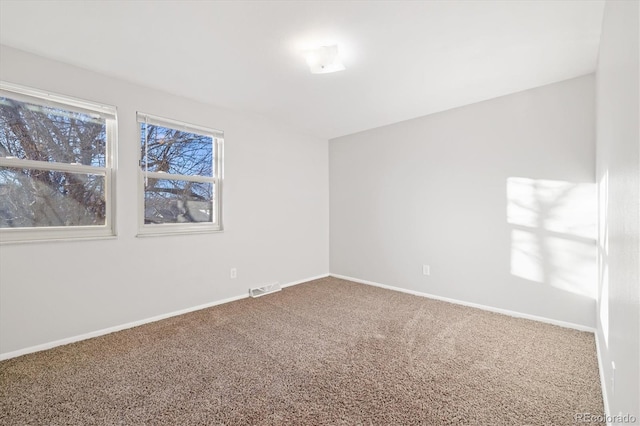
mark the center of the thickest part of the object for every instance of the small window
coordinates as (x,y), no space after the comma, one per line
(56,166)
(180,177)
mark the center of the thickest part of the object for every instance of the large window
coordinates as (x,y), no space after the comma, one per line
(180,176)
(56,165)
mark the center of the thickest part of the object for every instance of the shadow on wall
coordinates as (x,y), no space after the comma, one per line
(553,233)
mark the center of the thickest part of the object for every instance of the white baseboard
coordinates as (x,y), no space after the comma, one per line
(102,332)
(605,397)
(317,277)
(65,341)
(472,305)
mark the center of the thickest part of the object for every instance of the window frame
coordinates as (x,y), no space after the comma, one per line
(67,103)
(217,138)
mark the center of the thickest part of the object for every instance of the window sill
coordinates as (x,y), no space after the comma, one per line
(165,233)
(57,240)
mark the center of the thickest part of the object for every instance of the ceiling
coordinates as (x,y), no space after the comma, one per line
(404,59)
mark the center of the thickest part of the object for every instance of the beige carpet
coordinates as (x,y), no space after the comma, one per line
(324,352)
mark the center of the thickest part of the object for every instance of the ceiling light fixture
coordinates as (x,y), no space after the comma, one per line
(323,60)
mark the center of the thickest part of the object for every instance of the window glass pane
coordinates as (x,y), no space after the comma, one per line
(176,152)
(42,133)
(38,198)
(177,201)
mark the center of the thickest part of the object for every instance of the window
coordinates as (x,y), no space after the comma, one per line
(56,166)
(181,177)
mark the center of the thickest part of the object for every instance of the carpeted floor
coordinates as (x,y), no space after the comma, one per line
(324,352)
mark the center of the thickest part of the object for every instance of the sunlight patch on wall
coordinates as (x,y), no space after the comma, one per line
(604,305)
(526,256)
(603,255)
(563,207)
(553,233)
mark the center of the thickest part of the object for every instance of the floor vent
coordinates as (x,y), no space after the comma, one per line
(265,289)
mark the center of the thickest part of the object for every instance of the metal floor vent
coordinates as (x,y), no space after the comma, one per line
(265,289)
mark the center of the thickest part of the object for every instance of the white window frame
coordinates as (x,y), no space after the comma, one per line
(217,137)
(109,113)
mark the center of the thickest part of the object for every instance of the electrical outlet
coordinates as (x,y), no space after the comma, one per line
(234,273)
(426,270)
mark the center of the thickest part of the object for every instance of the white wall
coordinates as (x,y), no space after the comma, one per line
(618,169)
(275,217)
(497,197)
